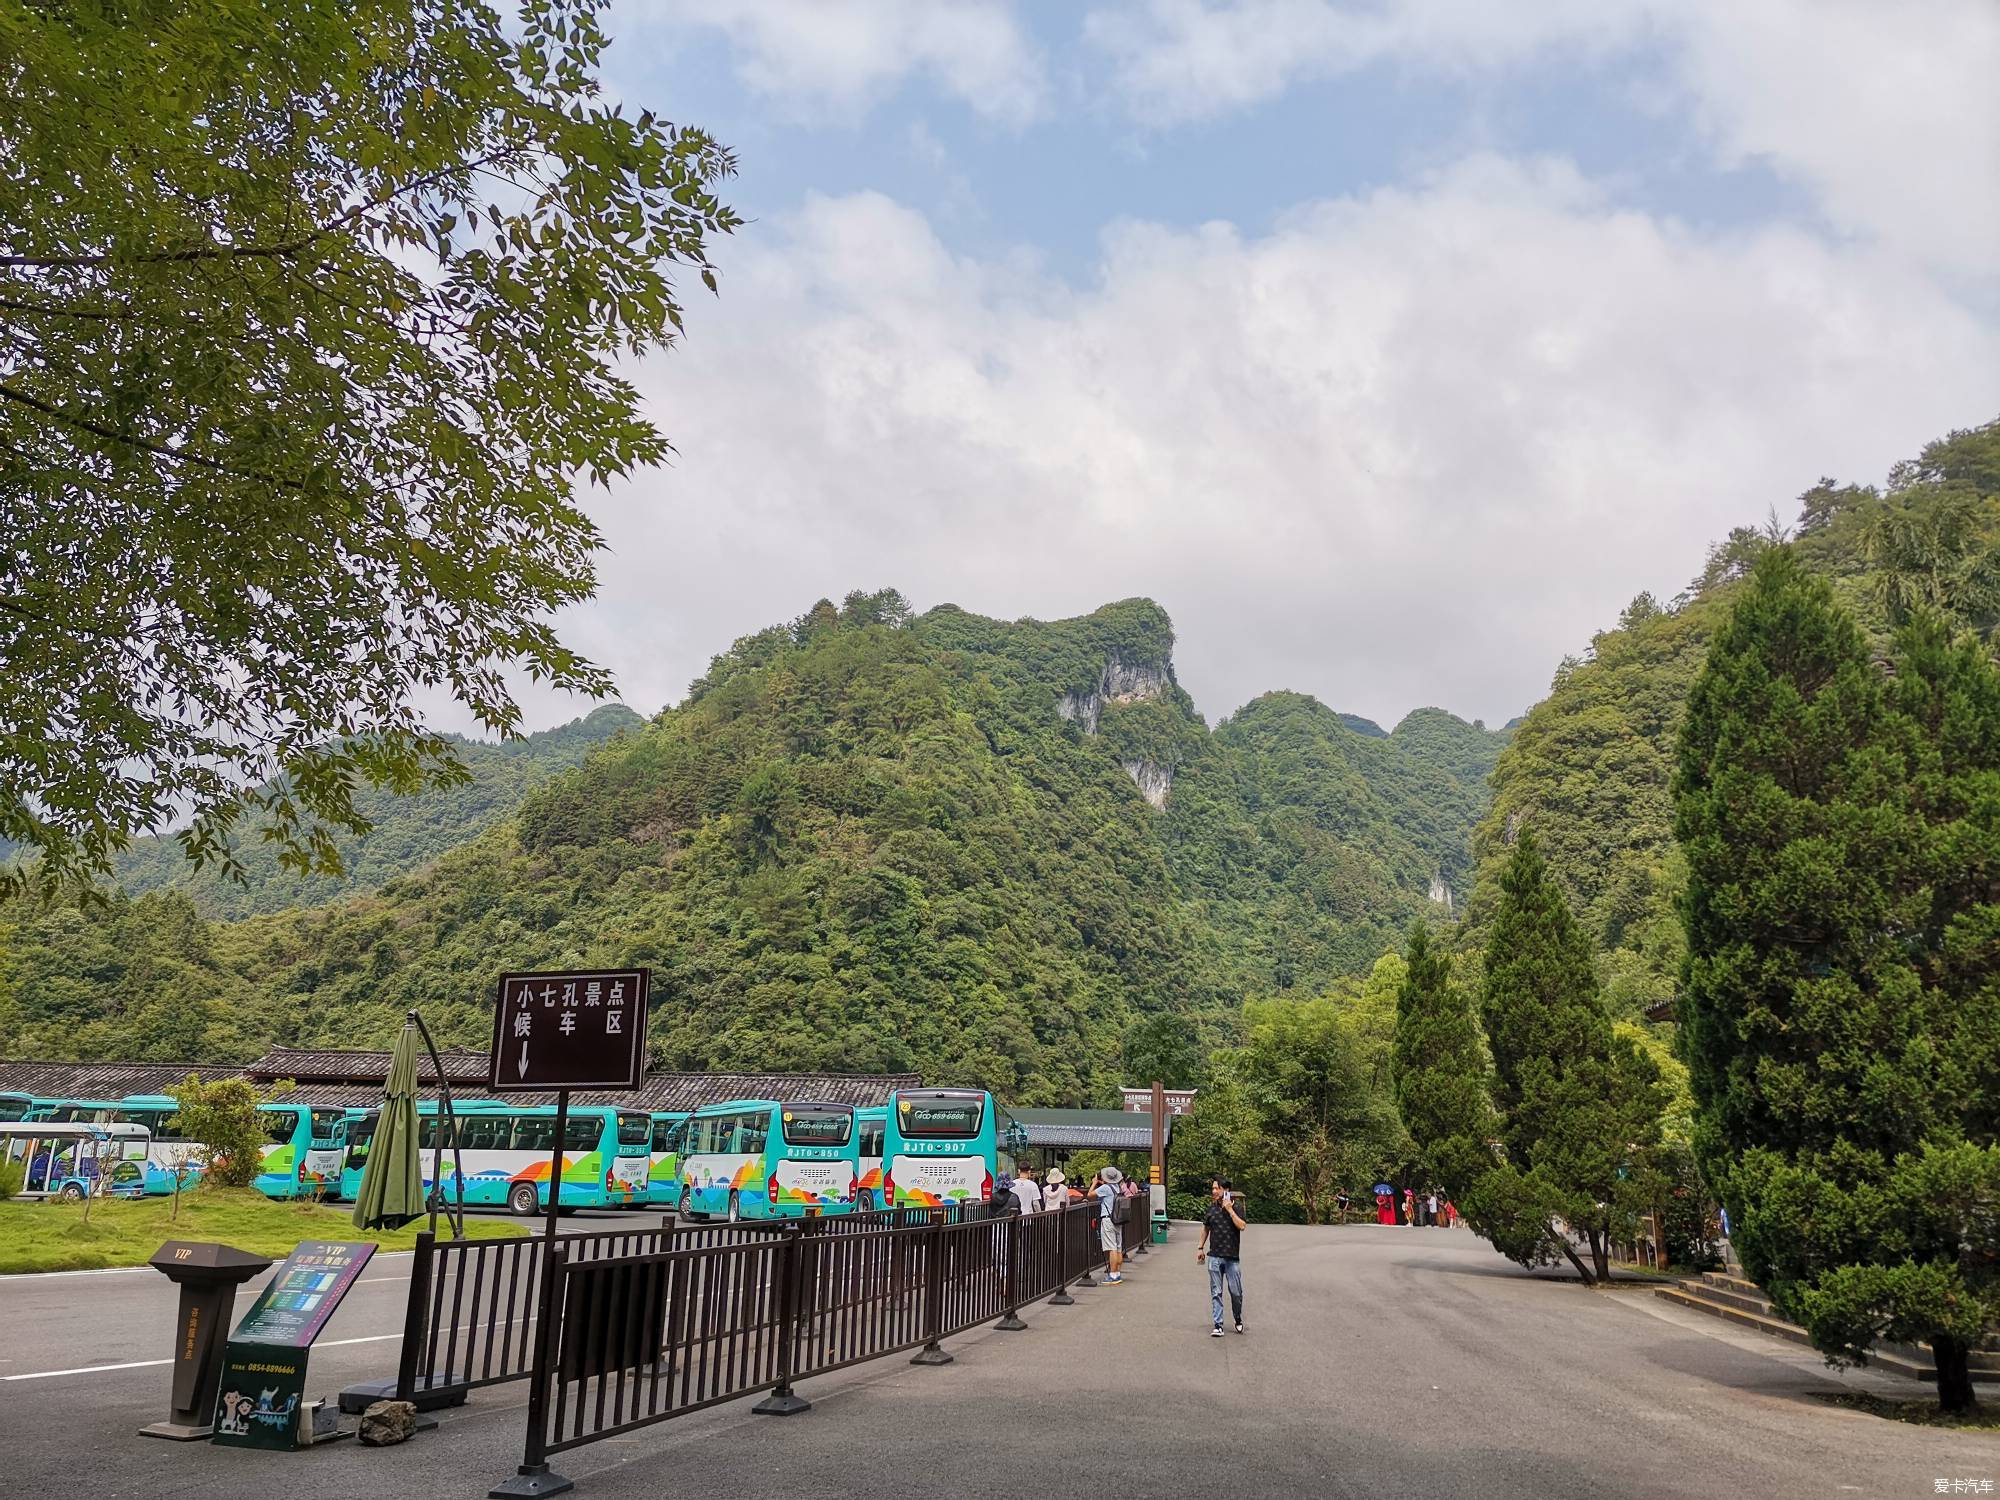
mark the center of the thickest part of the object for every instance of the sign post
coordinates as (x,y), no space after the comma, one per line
(562,1031)
(262,1403)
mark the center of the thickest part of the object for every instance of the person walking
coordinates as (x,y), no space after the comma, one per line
(1431,1209)
(1221,1247)
(1027,1192)
(1109,1233)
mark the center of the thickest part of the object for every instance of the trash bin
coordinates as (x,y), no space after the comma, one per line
(1159,1226)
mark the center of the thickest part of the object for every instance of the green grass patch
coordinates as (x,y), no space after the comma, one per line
(1924,1411)
(44,1236)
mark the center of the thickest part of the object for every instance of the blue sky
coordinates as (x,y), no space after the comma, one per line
(1391,344)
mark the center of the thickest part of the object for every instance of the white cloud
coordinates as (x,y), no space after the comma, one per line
(1885,113)
(1408,448)
(842,55)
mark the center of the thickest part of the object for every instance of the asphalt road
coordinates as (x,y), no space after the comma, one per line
(1378,1363)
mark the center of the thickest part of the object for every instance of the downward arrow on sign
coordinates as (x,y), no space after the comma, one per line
(524,1059)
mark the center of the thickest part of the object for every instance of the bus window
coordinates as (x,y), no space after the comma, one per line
(751,1131)
(872,1131)
(941,1119)
(665,1133)
(634,1129)
(486,1132)
(324,1122)
(360,1134)
(283,1124)
(817,1127)
(535,1133)
(581,1132)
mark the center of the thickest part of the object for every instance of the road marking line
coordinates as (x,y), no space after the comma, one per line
(137,1364)
(96,1271)
(147,1365)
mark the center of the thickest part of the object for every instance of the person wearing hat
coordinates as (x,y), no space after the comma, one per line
(1109,1234)
(1055,1193)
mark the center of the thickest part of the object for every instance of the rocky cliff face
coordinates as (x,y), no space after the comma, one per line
(1124,682)
(1441,893)
(1153,781)
(1120,682)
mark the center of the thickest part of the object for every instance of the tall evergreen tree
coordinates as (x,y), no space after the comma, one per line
(1440,1070)
(1839,1001)
(1579,1106)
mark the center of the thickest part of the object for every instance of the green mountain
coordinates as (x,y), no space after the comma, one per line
(1590,767)
(865,840)
(407,831)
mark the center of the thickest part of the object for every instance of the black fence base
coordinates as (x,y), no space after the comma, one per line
(782,1404)
(1012,1322)
(531,1480)
(432,1392)
(1086,1279)
(1062,1298)
(931,1354)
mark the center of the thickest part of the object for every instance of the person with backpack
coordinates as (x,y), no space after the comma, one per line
(1221,1246)
(1113,1209)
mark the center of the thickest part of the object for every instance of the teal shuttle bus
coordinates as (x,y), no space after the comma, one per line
(302,1151)
(762,1159)
(663,1175)
(171,1153)
(14,1107)
(870,1126)
(944,1148)
(507,1152)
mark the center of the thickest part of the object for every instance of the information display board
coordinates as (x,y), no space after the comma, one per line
(262,1396)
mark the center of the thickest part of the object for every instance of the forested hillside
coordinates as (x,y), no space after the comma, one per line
(406,832)
(1589,767)
(975,848)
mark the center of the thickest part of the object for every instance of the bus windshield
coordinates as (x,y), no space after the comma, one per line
(634,1129)
(805,1126)
(955,1118)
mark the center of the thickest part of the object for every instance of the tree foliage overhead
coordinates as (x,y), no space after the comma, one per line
(308,323)
(1841,1010)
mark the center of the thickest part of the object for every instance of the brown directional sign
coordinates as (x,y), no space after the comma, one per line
(585,1030)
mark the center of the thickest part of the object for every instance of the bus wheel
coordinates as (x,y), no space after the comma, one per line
(686,1205)
(521,1199)
(735,1210)
(73,1193)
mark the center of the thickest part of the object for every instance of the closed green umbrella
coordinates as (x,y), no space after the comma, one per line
(392,1184)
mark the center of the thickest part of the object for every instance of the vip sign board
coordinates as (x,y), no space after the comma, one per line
(584,1030)
(262,1399)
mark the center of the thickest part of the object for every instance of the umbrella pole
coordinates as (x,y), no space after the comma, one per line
(454,1213)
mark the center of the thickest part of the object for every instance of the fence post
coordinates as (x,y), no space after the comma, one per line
(1013,1228)
(1144,1223)
(783,1400)
(414,1317)
(1062,1298)
(933,1352)
(1092,1236)
(534,1477)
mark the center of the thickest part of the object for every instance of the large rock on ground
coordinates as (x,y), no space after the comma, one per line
(387,1422)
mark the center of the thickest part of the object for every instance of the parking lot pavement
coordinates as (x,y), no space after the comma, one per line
(1377,1362)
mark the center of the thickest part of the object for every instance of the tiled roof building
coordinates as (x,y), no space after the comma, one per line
(344,1077)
